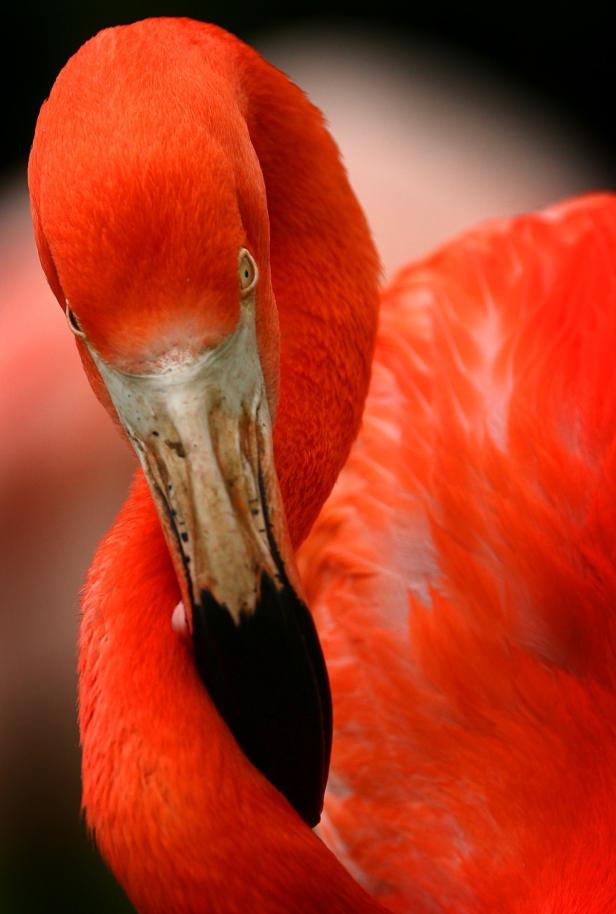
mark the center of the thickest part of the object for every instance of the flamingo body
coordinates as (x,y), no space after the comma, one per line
(461,572)
(462,576)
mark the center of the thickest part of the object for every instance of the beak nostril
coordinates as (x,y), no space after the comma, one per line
(177,447)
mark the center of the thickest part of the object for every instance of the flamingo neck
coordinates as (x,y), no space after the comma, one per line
(325,278)
(185,822)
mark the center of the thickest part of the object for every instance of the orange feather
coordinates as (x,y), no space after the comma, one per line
(463,579)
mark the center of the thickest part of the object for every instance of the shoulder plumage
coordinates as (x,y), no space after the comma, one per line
(463,571)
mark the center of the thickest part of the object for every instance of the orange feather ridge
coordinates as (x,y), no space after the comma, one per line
(463,580)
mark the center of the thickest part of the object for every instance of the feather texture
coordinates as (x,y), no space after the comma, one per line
(463,579)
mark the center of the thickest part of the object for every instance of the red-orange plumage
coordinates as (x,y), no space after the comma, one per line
(186,823)
(462,571)
(462,574)
(322,260)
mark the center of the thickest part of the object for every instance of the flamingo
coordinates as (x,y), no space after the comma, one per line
(196,225)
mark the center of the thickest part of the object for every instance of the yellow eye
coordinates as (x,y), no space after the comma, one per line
(248,272)
(73,322)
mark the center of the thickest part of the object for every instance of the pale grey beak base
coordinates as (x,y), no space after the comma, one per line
(202,431)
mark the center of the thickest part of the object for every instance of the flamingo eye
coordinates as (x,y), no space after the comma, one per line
(73,322)
(248,272)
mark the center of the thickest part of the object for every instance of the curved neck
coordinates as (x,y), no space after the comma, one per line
(242,129)
(185,822)
(324,271)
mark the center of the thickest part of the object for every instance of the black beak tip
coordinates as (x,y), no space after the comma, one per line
(268,679)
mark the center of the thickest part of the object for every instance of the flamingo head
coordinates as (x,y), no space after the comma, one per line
(151,220)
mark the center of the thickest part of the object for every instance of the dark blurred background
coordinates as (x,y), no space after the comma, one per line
(564,59)
(446,114)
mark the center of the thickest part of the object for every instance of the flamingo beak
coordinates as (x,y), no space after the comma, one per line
(203,434)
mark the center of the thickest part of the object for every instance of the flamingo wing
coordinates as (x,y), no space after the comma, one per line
(463,578)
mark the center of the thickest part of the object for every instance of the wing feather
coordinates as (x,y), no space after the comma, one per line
(463,574)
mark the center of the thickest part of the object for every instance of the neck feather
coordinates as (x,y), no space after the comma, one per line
(325,273)
(183,819)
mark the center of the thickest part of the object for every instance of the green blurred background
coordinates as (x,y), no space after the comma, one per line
(64,472)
